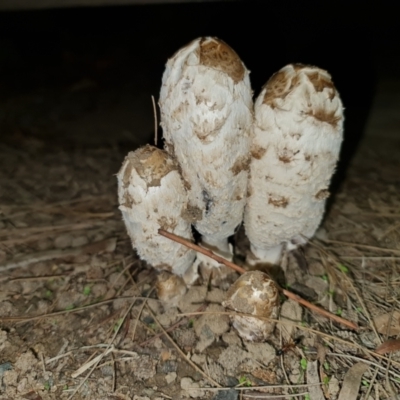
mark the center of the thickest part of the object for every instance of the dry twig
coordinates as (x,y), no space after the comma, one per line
(229,264)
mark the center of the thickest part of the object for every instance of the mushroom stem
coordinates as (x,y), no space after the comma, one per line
(221,246)
(271,255)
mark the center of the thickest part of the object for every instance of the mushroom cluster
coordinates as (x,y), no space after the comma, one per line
(228,161)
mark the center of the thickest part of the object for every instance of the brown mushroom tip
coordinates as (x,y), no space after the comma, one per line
(150,163)
(215,53)
(285,80)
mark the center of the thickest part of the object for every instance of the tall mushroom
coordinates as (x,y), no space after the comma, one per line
(298,131)
(152,196)
(206,116)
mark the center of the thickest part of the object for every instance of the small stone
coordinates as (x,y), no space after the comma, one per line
(206,338)
(169,378)
(317,284)
(99,289)
(231,338)
(188,385)
(193,298)
(44,244)
(226,395)
(231,357)
(25,362)
(218,323)
(169,317)
(216,371)
(79,241)
(185,338)
(167,367)
(316,268)
(262,352)
(63,241)
(216,295)
(199,359)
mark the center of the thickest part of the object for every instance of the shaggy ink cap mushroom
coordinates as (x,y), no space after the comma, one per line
(298,131)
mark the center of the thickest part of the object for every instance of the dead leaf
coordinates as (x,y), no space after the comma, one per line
(314,390)
(321,352)
(389,346)
(351,382)
(32,396)
(382,321)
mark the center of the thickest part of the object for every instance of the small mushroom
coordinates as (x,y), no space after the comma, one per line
(253,293)
(206,116)
(152,196)
(298,132)
(170,288)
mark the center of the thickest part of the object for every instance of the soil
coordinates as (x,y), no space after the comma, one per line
(79,317)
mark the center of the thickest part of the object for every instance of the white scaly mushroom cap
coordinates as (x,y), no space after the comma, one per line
(256,294)
(297,137)
(152,196)
(206,115)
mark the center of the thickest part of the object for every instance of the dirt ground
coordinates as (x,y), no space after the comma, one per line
(79,317)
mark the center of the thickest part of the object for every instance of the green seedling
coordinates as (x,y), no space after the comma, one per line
(244,381)
(343,268)
(87,290)
(303,364)
(118,324)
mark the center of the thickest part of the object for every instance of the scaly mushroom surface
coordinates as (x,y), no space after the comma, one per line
(152,196)
(206,116)
(298,131)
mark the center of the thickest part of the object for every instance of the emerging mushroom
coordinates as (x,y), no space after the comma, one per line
(206,115)
(256,294)
(298,131)
(152,196)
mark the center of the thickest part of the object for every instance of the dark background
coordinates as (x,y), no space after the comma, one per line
(123,50)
